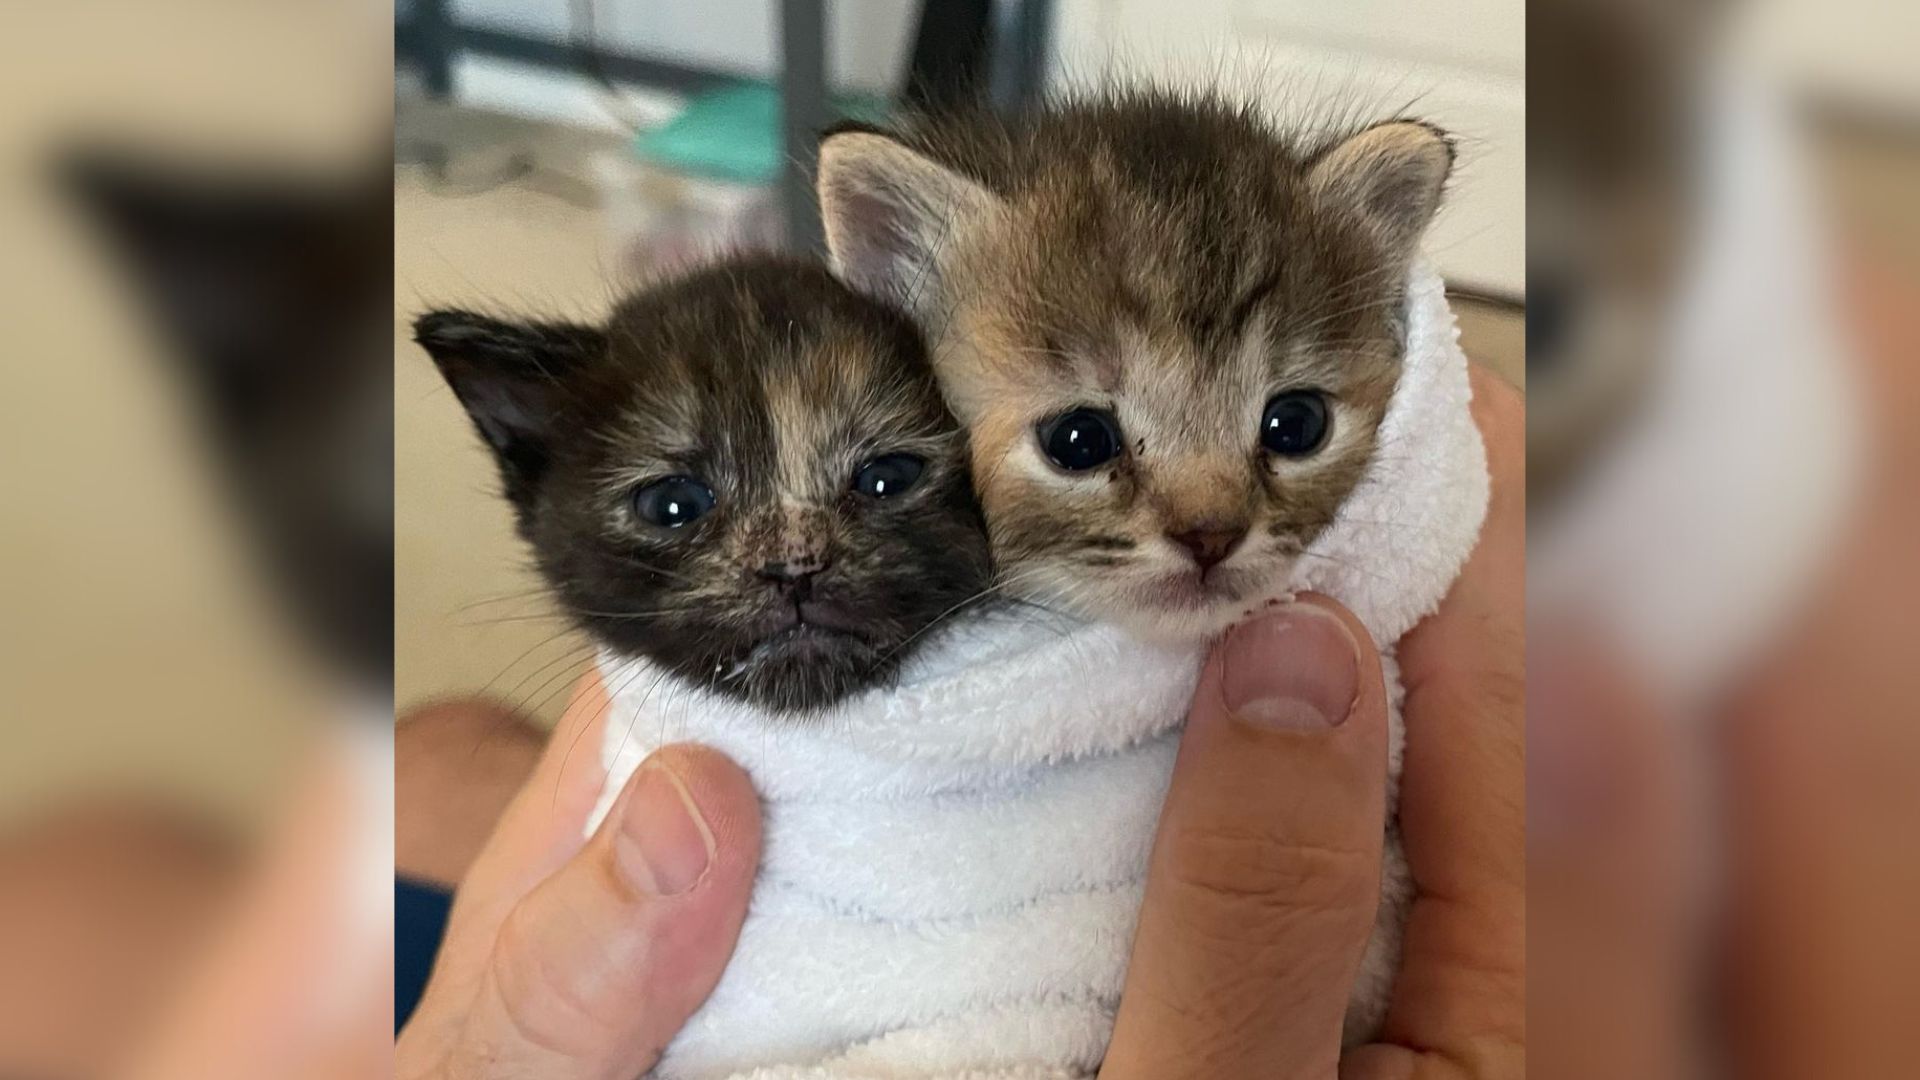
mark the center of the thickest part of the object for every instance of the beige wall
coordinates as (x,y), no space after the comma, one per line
(468,614)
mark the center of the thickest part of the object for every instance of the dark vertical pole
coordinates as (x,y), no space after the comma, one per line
(1019,42)
(949,61)
(434,39)
(803,103)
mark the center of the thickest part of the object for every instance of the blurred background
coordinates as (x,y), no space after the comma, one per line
(1724,270)
(195,559)
(551,152)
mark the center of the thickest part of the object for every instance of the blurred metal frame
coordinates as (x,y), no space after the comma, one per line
(962,48)
(804,113)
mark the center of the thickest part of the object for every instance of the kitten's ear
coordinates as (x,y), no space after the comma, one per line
(513,380)
(889,212)
(1392,173)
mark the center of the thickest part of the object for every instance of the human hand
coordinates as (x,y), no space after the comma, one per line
(570,959)
(1265,873)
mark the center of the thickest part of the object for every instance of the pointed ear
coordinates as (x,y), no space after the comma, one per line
(1392,174)
(890,213)
(513,379)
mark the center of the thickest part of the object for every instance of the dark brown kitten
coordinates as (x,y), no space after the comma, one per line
(1170,328)
(747,476)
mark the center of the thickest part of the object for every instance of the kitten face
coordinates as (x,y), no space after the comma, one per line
(1172,337)
(748,476)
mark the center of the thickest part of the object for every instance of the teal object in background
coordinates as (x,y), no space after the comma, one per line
(734,133)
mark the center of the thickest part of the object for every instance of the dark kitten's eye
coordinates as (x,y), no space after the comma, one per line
(1295,423)
(673,502)
(1081,439)
(888,475)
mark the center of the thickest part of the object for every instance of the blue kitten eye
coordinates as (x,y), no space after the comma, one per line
(673,502)
(1295,423)
(888,475)
(1081,439)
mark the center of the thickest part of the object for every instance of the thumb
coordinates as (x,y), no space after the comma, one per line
(1265,873)
(597,968)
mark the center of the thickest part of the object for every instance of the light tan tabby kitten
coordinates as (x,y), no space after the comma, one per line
(1170,329)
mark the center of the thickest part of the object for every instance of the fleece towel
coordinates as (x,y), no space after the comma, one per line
(953,867)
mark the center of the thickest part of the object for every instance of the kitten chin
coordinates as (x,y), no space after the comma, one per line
(747,477)
(1170,327)
(805,669)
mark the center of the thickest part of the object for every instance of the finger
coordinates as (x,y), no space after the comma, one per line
(598,967)
(1478,633)
(542,827)
(456,767)
(1463,795)
(1265,873)
(1462,802)
(1462,982)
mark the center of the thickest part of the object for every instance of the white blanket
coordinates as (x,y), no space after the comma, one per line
(953,868)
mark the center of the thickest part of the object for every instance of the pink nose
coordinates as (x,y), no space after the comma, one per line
(1209,545)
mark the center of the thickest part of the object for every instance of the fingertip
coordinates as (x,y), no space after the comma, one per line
(722,791)
(637,925)
(1306,666)
(1345,613)
(1365,650)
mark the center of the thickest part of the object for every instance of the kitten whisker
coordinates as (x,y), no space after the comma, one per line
(991,591)
(532,616)
(639,613)
(539,592)
(543,643)
(563,682)
(640,668)
(560,671)
(1345,564)
(572,744)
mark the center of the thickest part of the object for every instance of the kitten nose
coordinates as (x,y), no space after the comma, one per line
(1210,544)
(793,577)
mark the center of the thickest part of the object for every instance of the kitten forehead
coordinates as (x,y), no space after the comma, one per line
(770,383)
(825,407)
(1174,403)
